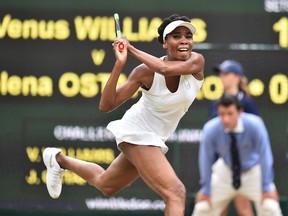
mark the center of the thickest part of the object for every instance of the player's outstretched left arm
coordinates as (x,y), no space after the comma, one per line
(194,65)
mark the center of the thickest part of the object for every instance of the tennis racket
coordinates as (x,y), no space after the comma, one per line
(118,30)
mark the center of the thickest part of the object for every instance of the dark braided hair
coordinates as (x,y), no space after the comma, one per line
(166,22)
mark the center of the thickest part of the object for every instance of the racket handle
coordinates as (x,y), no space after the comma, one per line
(121,46)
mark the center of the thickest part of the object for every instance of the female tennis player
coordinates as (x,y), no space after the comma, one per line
(169,85)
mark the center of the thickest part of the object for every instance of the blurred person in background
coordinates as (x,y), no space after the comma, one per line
(238,141)
(235,82)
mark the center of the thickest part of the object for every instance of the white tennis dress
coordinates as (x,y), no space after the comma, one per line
(157,113)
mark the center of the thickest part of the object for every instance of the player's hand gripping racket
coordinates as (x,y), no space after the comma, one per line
(118,31)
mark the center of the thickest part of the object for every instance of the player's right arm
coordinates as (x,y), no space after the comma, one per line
(113,96)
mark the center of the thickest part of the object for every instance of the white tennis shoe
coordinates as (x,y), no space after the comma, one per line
(54,172)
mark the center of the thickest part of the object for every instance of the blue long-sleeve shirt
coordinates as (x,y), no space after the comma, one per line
(253,144)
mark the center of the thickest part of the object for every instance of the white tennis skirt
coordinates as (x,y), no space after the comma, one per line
(135,134)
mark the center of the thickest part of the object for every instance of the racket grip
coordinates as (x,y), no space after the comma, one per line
(121,46)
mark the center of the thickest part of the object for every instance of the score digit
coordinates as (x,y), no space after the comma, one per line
(282,27)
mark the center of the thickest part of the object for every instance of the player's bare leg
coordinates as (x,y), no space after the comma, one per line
(121,173)
(157,173)
(147,161)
